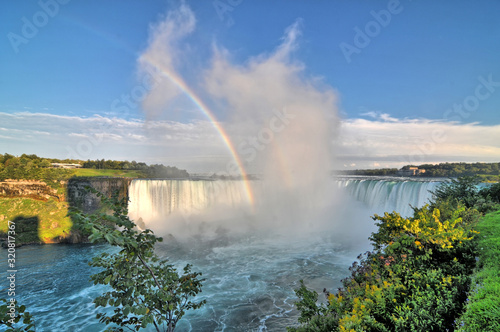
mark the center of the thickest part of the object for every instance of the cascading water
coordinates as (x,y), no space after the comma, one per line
(389,195)
(156,200)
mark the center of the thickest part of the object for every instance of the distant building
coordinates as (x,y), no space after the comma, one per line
(60,165)
(410,171)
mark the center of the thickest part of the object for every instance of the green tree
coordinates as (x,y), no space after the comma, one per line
(464,189)
(145,289)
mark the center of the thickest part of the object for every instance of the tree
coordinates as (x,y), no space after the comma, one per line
(145,289)
(464,189)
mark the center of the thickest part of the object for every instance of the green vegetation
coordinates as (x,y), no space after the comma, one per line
(418,276)
(89,172)
(32,167)
(36,221)
(50,217)
(483,306)
(370,172)
(152,171)
(488,172)
(12,314)
(161,297)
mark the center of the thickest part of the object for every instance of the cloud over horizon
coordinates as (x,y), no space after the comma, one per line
(197,146)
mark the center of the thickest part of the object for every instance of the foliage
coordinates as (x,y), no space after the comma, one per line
(487,171)
(145,289)
(465,190)
(462,169)
(32,167)
(483,305)
(153,171)
(369,172)
(491,193)
(415,279)
(20,316)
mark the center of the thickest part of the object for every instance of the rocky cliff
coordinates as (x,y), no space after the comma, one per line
(28,189)
(78,195)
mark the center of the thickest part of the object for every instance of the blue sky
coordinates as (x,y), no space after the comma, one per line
(395,67)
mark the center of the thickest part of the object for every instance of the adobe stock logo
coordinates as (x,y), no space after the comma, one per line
(30,28)
(372,29)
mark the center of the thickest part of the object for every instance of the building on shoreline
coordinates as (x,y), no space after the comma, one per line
(61,165)
(410,171)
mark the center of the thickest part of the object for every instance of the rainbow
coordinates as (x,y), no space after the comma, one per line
(179,82)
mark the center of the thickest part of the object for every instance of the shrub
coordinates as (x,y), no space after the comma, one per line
(416,279)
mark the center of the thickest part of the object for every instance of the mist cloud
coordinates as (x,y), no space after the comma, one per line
(163,54)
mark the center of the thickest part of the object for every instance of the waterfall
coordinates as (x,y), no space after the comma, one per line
(389,195)
(158,199)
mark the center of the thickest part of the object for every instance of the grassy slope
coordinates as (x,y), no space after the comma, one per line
(52,219)
(108,172)
(483,309)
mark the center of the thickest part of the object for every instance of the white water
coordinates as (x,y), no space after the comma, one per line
(155,201)
(389,195)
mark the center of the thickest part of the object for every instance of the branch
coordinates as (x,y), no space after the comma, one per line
(150,271)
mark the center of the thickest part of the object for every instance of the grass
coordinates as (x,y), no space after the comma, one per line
(50,217)
(483,308)
(108,172)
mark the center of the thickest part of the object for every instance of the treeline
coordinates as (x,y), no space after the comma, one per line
(369,172)
(418,275)
(488,171)
(461,169)
(153,171)
(32,167)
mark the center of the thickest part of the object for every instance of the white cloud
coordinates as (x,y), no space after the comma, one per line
(111,138)
(404,141)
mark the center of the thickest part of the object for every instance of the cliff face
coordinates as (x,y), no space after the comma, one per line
(77,194)
(28,189)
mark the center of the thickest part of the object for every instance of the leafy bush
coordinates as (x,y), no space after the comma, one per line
(416,279)
(466,191)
